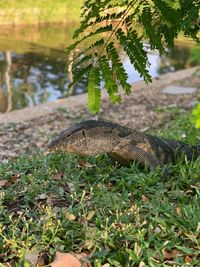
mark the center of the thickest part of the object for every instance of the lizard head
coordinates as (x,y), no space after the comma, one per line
(86,138)
(71,140)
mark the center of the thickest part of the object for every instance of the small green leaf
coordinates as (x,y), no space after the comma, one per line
(94,92)
(196,116)
(118,68)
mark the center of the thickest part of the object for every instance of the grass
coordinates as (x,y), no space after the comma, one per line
(118,215)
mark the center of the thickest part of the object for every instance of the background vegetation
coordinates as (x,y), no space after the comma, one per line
(15,12)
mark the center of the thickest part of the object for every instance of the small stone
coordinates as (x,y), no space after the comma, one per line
(42,196)
(157,230)
(178,90)
(71,187)
(183,135)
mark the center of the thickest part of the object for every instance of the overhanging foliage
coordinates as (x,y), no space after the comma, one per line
(110,25)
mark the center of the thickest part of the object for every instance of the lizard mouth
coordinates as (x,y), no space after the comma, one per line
(57,146)
(54,146)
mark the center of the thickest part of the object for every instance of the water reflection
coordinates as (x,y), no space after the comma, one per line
(37,73)
(32,78)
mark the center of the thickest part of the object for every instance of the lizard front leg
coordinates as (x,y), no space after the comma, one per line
(125,154)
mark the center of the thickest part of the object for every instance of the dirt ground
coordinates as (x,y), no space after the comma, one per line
(142,110)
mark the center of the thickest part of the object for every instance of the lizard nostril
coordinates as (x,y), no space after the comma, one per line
(83,133)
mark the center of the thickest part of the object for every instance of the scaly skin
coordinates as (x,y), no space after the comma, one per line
(122,143)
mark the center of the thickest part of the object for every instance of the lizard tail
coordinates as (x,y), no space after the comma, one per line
(196,150)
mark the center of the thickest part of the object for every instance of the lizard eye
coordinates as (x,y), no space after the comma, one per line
(67,135)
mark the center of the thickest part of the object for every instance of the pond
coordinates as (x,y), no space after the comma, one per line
(33,65)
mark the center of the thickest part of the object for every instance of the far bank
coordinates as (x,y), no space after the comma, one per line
(17,12)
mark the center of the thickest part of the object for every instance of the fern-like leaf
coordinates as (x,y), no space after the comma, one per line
(118,68)
(169,15)
(106,28)
(169,34)
(91,15)
(154,37)
(110,84)
(94,91)
(134,49)
(156,21)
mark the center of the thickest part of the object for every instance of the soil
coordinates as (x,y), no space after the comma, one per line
(142,110)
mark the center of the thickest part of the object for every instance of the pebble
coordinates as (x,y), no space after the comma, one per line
(42,196)
(157,230)
(178,90)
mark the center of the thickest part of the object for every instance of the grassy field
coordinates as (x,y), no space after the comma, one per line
(117,215)
(15,12)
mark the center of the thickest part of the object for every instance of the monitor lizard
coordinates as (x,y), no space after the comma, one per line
(123,144)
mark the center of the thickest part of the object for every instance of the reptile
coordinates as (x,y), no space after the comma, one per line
(123,144)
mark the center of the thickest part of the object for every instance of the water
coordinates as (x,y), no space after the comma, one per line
(33,66)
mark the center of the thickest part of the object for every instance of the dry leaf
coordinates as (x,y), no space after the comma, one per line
(179,211)
(57,176)
(197,186)
(69,216)
(189,192)
(70,260)
(82,220)
(90,215)
(170,255)
(3,182)
(106,265)
(198,227)
(32,258)
(12,179)
(142,264)
(144,223)
(84,164)
(109,186)
(145,199)
(188,259)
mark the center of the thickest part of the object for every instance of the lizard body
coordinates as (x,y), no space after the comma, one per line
(122,143)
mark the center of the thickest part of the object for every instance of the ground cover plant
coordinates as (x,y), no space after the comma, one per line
(117,215)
